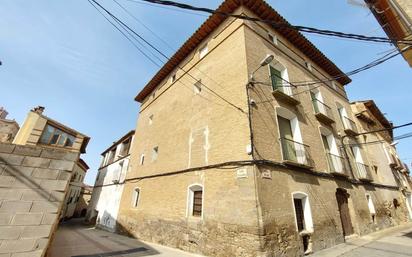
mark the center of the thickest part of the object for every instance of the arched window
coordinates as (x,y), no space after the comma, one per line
(195,201)
(303,214)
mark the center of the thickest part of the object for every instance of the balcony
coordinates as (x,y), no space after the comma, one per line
(337,165)
(364,173)
(349,126)
(296,154)
(281,94)
(322,112)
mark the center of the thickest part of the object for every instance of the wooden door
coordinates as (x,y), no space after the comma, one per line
(342,198)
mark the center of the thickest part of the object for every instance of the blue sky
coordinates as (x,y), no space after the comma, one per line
(65,56)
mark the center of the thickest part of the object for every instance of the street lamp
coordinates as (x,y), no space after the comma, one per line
(268,59)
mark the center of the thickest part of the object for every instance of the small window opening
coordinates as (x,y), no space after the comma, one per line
(141,159)
(151,119)
(308,66)
(203,51)
(396,203)
(136,194)
(155,153)
(197,88)
(173,78)
(273,38)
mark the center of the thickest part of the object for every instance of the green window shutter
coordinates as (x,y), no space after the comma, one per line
(275,77)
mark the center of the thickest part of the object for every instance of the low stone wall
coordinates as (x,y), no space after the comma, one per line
(33,184)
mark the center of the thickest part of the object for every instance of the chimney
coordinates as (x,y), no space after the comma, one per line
(39,109)
(3,113)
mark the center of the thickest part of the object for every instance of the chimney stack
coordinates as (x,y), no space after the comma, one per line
(39,109)
(3,113)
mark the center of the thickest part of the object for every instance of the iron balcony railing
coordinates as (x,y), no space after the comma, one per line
(296,152)
(363,171)
(322,108)
(337,164)
(349,124)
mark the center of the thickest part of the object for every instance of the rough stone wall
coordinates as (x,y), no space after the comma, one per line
(229,224)
(33,184)
(8,129)
(281,237)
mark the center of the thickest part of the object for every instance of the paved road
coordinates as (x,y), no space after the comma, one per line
(76,240)
(395,242)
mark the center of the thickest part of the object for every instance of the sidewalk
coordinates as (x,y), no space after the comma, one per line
(73,239)
(392,242)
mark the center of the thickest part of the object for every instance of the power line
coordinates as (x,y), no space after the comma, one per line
(162,54)
(281,25)
(122,32)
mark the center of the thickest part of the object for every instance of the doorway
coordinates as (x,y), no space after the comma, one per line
(342,197)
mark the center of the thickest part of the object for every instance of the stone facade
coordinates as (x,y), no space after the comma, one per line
(33,185)
(208,130)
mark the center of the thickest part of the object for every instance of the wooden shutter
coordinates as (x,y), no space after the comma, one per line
(197,203)
(275,77)
(300,218)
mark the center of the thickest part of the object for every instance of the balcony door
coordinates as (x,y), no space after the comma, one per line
(332,152)
(286,135)
(318,103)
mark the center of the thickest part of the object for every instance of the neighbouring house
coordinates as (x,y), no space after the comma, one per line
(395,17)
(108,188)
(8,128)
(247,146)
(75,191)
(384,162)
(41,130)
(35,174)
(83,201)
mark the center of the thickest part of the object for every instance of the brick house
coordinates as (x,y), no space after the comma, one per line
(239,154)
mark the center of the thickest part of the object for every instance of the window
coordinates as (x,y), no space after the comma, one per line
(195,201)
(155,153)
(141,159)
(197,87)
(308,66)
(303,213)
(292,146)
(203,51)
(279,77)
(173,78)
(371,207)
(273,38)
(125,147)
(334,85)
(136,195)
(112,154)
(55,136)
(335,161)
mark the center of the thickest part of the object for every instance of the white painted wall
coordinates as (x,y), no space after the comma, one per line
(107,193)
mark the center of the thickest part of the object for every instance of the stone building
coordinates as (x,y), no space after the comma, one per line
(34,180)
(242,147)
(84,201)
(395,17)
(8,128)
(108,188)
(41,130)
(75,190)
(384,162)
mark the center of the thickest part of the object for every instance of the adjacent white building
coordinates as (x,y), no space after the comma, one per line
(108,188)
